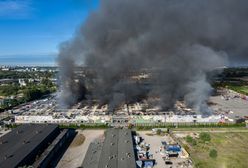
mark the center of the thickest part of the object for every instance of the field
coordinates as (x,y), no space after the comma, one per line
(231,147)
(213,129)
(240,89)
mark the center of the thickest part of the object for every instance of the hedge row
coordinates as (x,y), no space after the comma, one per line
(189,125)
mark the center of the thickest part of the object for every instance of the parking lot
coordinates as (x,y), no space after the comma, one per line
(156,145)
(230,104)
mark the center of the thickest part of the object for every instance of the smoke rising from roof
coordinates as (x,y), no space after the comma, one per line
(183,39)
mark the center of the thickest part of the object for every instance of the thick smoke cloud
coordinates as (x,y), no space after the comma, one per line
(183,40)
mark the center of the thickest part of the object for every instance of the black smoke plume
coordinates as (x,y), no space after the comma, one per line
(183,40)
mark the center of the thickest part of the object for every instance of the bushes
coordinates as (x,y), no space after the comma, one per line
(194,142)
(188,125)
(35,92)
(213,153)
(10,89)
(205,137)
(84,126)
(11,126)
(191,140)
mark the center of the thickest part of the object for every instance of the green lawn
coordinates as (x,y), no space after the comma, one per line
(220,129)
(244,89)
(232,151)
(240,89)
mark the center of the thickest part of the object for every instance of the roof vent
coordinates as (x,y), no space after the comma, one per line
(111,157)
(128,155)
(7,156)
(19,131)
(37,132)
(25,141)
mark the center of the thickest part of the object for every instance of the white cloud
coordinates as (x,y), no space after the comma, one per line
(15,8)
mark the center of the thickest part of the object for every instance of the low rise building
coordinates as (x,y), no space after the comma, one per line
(23,144)
(116,151)
(36,145)
(122,120)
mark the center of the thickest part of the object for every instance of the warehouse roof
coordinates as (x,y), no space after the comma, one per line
(93,154)
(126,158)
(50,148)
(116,152)
(21,141)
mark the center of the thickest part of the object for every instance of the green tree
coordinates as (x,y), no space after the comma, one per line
(213,153)
(32,94)
(46,82)
(205,137)
(8,90)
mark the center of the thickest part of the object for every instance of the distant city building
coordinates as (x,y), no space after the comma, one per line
(22,82)
(5,68)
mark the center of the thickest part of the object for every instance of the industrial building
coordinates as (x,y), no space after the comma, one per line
(120,120)
(51,155)
(115,152)
(26,144)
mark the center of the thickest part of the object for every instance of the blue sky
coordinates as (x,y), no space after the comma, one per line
(37,27)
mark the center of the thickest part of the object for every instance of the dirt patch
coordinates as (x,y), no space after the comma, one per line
(78,140)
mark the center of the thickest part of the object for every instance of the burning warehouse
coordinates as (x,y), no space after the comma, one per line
(125,36)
